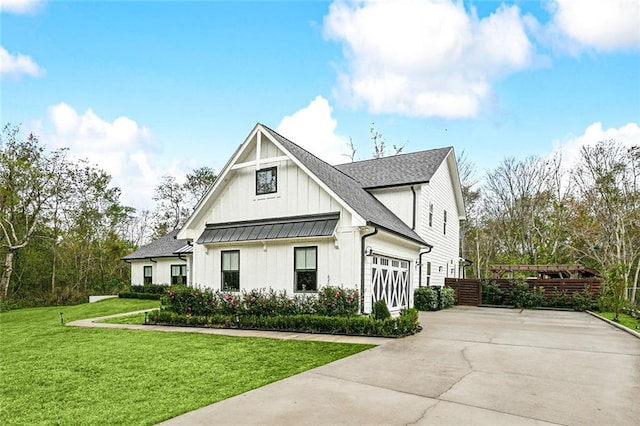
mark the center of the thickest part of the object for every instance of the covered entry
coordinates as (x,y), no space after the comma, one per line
(390,281)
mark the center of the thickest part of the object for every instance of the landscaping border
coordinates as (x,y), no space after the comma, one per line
(615,324)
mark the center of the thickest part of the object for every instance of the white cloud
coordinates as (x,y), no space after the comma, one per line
(313,128)
(17,65)
(19,7)
(627,135)
(425,57)
(599,24)
(122,148)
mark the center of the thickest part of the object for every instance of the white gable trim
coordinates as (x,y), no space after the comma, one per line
(356,219)
(457,186)
(184,231)
(259,131)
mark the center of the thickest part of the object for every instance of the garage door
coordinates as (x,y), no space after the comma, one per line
(390,281)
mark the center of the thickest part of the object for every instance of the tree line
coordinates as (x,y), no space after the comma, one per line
(63,228)
(538,210)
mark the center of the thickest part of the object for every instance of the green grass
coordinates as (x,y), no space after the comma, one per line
(624,319)
(54,374)
(128,319)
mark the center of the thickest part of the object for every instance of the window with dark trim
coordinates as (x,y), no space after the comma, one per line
(178,274)
(430,215)
(230,270)
(267,181)
(305,268)
(444,226)
(428,274)
(147,275)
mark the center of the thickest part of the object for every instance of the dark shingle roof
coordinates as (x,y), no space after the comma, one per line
(162,247)
(349,190)
(402,169)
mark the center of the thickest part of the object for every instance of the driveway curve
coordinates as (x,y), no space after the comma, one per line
(478,366)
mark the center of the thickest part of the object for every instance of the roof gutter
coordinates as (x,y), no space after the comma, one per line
(422,252)
(413,221)
(362,258)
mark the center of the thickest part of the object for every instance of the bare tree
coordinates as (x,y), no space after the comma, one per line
(27,176)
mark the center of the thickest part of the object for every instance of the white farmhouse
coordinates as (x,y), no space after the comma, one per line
(162,261)
(279,217)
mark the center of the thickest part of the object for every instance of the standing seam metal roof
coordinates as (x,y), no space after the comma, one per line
(269,229)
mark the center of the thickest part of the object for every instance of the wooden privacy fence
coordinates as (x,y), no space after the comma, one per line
(468,292)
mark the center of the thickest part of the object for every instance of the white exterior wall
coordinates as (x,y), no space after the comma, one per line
(399,200)
(269,263)
(446,248)
(160,269)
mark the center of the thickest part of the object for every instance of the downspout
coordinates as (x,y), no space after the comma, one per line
(426,251)
(413,222)
(362,257)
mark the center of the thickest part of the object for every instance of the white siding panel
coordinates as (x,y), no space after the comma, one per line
(160,269)
(446,249)
(399,201)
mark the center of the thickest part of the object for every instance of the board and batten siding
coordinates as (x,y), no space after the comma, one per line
(160,269)
(269,263)
(445,256)
(399,200)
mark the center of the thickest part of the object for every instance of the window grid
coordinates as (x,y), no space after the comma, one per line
(230,270)
(267,181)
(305,266)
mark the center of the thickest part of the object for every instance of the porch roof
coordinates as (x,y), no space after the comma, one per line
(319,225)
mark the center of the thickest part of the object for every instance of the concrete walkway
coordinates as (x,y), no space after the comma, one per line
(476,366)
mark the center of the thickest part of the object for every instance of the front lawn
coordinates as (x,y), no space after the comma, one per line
(54,374)
(626,320)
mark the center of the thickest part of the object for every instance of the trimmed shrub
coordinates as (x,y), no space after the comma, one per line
(404,325)
(425,299)
(136,295)
(492,294)
(379,311)
(447,297)
(149,288)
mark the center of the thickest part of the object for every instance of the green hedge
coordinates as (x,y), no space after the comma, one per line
(136,295)
(404,325)
(426,298)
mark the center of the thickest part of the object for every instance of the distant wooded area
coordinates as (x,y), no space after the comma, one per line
(63,228)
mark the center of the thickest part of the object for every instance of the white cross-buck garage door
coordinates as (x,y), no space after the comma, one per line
(390,281)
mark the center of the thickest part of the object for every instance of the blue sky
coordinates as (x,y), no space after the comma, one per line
(147,88)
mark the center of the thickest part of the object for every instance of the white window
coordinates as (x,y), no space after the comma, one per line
(444,223)
(267,181)
(431,215)
(231,270)
(178,274)
(148,275)
(305,268)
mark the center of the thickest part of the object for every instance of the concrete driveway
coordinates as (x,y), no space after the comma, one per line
(477,366)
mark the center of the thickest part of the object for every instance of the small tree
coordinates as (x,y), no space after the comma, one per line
(613,297)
